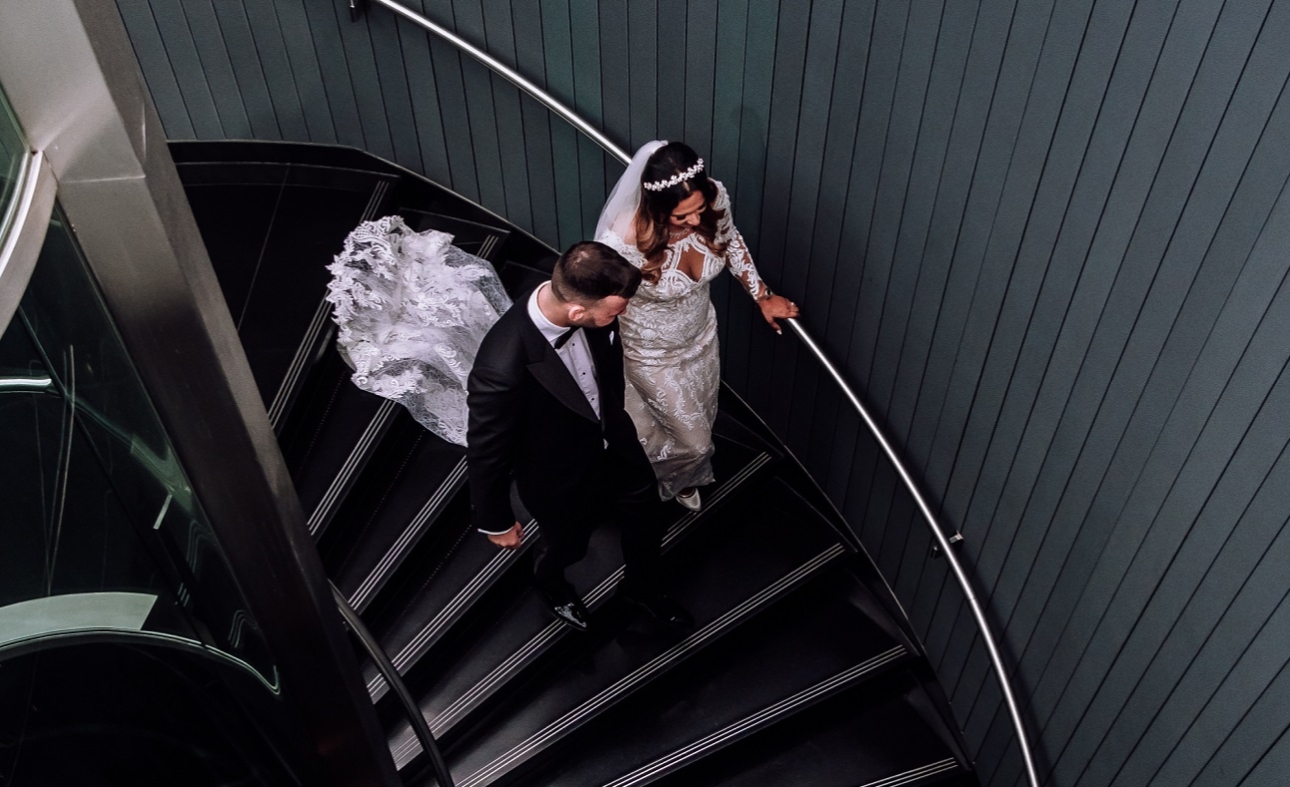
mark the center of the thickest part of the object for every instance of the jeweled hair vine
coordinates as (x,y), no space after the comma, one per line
(680,177)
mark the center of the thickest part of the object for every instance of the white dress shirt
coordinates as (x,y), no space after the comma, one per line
(575,353)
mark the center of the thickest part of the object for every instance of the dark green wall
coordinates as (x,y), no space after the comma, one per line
(1049,240)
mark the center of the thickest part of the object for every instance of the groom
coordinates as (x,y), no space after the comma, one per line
(546,410)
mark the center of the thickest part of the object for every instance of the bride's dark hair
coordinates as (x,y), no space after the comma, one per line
(657,206)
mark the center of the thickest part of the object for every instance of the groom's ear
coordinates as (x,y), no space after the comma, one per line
(576,312)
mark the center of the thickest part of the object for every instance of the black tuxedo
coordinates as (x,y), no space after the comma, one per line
(531,423)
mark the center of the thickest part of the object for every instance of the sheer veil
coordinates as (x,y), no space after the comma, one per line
(620,209)
(412,310)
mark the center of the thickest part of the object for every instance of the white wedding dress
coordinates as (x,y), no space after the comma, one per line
(412,310)
(670,352)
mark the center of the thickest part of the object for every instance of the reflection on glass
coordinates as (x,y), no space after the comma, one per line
(13,152)
(99,514)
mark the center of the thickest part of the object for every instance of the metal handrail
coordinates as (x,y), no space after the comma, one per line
(573,119)
(396,684)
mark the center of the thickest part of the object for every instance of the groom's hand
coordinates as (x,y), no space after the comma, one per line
(511,539)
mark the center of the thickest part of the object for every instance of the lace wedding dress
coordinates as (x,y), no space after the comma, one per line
(670,352)
(412,310)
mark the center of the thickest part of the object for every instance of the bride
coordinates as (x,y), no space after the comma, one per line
(411,310)
(668,218)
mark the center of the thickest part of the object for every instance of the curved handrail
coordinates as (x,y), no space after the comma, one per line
(933,524)
(396,684)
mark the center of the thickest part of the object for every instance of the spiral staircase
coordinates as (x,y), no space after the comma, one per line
(801,668)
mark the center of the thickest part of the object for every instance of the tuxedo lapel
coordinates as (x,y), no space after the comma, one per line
(551,372)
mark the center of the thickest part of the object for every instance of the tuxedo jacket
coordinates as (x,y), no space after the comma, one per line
(530,422)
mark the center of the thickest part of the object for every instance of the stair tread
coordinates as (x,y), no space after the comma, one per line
(864,736)
(818,633)
(402,485)
(743,552)
(320,439)
(465,567)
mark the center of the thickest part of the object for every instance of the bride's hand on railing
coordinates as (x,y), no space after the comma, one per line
(777,307)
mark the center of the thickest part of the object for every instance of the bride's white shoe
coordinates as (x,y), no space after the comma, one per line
(689,497)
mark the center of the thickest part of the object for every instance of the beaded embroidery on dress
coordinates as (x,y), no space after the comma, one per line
(412,310)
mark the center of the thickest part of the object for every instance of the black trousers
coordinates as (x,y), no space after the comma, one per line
(621,492)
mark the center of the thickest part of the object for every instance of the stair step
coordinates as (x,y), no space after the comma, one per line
(347,474)
(868,736)
(411,479)
(817,642)
(329,420)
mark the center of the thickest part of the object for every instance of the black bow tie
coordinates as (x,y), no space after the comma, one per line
(563,338)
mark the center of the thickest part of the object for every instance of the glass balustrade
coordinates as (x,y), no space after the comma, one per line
(13,156)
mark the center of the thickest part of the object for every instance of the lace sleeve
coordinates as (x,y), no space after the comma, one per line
(738,261)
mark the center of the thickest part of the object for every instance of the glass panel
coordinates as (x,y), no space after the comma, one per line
(99,514)
(13,151)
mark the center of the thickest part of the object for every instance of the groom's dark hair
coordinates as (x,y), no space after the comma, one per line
(589,271)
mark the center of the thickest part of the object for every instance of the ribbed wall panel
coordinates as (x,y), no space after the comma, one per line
(1048,240)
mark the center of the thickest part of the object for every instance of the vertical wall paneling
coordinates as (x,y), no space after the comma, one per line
(154,58)
(177,38)
(427,110)
(754,116)
(1046,240)
(892,386)
(671,80)
(305,70)
(1171,143)
(248,73)
(324,30)
(794,388)
(1255,304)
(526,191)
(700,76)
(265,34)
(214,61)
(451,94)
(615,80)
(787,89)
(477,84)
(594,165)
(358,54)
(641,47)
(555,57)
(392,76)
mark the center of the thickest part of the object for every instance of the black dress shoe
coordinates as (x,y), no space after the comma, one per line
(661,608)
(570,611)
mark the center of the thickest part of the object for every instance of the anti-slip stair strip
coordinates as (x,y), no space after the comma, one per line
(409,747)
(357,457)
(757,721)
(408,538)
(307,348)
(374,201)
(408,655)
(661,663)
(917,774)
(486,247)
